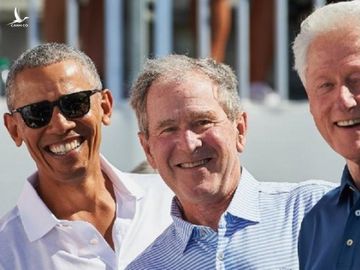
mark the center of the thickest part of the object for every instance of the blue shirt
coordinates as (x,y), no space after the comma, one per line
(259,230)
(330,233)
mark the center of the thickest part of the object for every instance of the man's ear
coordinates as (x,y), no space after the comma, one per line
(241,126)
(12,126)
(107,106)
(145,145)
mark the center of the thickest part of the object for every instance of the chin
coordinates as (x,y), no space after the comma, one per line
(350,153)
(204,191)
(72,175)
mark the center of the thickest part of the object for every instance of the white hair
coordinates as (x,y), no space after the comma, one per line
(329,18)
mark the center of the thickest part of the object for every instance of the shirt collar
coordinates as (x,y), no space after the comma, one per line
(32,209)
(183,229)
(347,185)
(123,182)
(244,205)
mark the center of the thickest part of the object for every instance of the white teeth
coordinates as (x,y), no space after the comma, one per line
(62,149)
(194,164)
(347,123)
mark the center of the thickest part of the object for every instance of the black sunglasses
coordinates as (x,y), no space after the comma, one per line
(37,115)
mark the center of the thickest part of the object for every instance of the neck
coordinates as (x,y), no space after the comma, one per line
(67,198)
(92,199)
(206,214)
(354,169)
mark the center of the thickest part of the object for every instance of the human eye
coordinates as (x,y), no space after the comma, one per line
(326,85)
(354,81)
(204,122)
(167,130)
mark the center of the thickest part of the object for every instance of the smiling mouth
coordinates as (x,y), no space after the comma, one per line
(189,165)
(348,123)
(61,149)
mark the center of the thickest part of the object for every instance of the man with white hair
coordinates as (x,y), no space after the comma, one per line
(327,59)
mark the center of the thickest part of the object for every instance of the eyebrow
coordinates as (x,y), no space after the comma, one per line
(164,123)
(192,115)
(205,114)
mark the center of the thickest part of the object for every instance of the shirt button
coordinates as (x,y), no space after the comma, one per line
(349,242)
(220,256)
(94,241)
(357,213)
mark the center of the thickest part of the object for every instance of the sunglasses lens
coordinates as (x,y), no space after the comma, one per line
(75,105)
(37,115)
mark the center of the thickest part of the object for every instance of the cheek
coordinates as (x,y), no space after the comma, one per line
(222,140)
(30,136)
(322,116)
(160,149)
(317,108)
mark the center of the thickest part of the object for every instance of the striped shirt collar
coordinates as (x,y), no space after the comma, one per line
(244,205)
(32,208)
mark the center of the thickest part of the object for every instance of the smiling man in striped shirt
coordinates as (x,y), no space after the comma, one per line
(192,129)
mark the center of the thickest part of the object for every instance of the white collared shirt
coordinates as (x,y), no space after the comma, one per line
(31,237)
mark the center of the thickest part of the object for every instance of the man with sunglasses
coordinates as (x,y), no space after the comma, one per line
(76,211)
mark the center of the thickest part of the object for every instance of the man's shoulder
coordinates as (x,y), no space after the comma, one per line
(9,220)
(159,252)
(11,232)
(146,180)
(304,187)
(150,182)
(325,203)
(302,195)
(313,189)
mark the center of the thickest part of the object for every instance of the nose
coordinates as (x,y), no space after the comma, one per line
(347,99)
(189,141)
(59,124)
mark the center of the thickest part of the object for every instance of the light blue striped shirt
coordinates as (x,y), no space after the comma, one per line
(259,230)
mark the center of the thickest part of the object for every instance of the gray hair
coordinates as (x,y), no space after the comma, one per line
(44,55)
(329,18)
(175,67)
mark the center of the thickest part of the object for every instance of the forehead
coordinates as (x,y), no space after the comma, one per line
(60,72)
(333,49)
(193,94)
(191,85)
(334,46)
(51,80)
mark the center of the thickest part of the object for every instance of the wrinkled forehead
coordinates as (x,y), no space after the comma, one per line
(345,37)
(184,85)
(178,78)
(332,46)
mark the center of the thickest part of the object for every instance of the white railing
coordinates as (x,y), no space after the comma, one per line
(163,35)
